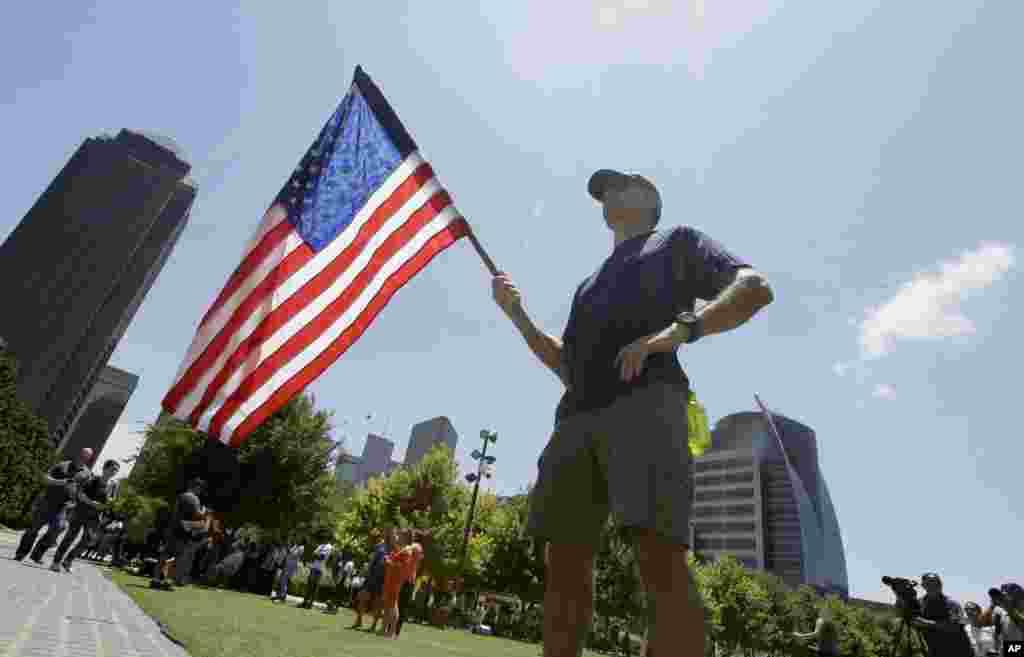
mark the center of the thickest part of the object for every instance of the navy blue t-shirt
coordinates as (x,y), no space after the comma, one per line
(639,290)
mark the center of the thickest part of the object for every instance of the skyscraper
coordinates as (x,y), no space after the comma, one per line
(79,264)
(428,433)
(768,504)
(376,459)
(101,411)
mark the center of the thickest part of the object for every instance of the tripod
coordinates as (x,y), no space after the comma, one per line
(906,640)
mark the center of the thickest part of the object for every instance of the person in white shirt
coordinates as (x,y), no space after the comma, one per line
(316,572)
(983,639)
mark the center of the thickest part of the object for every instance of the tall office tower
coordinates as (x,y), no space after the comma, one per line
(428,433)
(767,503)
(101,411)
(346,468)
(376,459)
(81,261)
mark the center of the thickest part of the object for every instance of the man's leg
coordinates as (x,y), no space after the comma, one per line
(57,522)
(678,608)
(40,518)
(183,562)
(69,557)
(651,493)
(568,599)
(75,528)
(568,507)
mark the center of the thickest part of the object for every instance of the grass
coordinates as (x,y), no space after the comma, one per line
(219,623)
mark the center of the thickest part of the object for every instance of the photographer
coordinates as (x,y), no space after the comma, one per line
(941,621)
(1005,614)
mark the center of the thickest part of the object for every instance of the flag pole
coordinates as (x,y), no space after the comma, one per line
(481,252)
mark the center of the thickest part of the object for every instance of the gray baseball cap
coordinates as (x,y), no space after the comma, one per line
(605,180)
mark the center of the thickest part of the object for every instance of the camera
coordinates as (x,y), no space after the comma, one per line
(906,593)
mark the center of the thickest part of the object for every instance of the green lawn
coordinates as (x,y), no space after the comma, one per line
(218,623)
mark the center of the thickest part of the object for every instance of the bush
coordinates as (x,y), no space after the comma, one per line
(25,448)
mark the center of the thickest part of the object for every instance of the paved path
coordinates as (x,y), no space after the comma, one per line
(46,614)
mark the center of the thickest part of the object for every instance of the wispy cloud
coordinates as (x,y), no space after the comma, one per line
(884,391)
(928,307)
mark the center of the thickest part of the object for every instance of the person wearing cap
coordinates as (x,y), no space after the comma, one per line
(942,621)
(189,525)
(624,384)
(51,509)
(85,518)
(1005,614)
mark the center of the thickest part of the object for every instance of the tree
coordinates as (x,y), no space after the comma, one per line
(280,480)
(513,565)
(25,448)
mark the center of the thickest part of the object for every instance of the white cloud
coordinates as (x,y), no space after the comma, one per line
(928,307)
(884,391)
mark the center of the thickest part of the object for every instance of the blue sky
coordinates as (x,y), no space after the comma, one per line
(863,156)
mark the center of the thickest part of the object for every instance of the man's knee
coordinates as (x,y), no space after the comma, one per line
(664,566)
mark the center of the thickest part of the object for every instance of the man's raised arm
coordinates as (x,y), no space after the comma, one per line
(547,348)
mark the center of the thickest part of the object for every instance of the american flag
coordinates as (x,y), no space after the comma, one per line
(361,214)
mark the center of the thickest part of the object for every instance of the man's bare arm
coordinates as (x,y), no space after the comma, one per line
(742,299)
(748,293)
(547,348)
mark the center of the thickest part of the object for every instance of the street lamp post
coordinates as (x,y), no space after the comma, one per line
(474,478)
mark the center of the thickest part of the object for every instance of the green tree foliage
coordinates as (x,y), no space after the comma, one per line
(513,565)
(429,496)
(25,448)
(285,486)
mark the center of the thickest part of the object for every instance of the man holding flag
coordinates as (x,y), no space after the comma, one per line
(624,384)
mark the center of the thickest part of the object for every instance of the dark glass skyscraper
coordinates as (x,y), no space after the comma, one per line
(79,264)
(100,412)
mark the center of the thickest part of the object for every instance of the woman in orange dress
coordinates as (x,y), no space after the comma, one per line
(394,569)
(410,568)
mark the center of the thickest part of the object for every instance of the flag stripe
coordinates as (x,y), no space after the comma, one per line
(237,326)
(316,325)
(297,382)
(252,260)
(256,295)
(215,322)
(265,333)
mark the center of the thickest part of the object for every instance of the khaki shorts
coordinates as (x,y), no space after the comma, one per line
(631,459)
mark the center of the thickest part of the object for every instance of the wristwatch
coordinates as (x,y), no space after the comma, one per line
(693,323)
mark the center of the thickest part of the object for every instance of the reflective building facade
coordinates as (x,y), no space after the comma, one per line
(428,433)
(767,503)
(102,409)
(81,261)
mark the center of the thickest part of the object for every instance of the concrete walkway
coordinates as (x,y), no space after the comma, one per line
(82,614)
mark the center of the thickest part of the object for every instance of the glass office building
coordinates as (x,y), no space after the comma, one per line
(764,500)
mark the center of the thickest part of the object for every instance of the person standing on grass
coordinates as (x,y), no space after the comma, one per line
(410,568)
(291,565)
(617,358)
(394,571)
(373,587)
(187,529)
(316,572)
